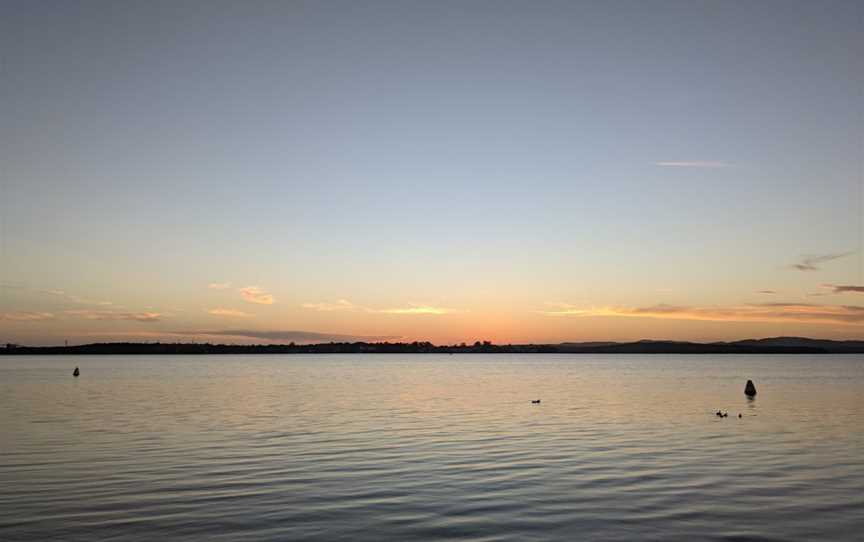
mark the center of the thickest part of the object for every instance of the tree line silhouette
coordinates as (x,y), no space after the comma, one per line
(777,345)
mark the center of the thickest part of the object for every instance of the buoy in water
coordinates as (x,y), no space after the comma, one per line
(750,389)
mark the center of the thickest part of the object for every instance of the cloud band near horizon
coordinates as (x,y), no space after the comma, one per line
(343,305)
(283,335)
(756,312)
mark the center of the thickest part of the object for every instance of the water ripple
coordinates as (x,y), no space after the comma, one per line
(431,447)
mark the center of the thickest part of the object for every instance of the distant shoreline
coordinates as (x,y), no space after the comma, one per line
(775,345)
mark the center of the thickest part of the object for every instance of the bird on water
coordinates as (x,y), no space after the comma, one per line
(750,389)
(76,372)
(535,401)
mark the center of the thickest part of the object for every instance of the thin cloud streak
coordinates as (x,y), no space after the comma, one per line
(254,294)
(26,316)
(343,305)
(419,309)
(12,286)
(756,312)
(74,298)
(219,285)
(78,300)
(812,262)
(844,288)
(113,315)
(704,164)
(232,313)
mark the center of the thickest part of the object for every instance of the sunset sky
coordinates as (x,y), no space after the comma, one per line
(445,171)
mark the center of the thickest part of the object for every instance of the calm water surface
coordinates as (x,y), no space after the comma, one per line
(412,447)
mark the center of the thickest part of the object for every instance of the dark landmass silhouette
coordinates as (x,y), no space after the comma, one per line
(775,345)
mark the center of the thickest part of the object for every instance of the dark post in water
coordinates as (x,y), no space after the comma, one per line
(750,389)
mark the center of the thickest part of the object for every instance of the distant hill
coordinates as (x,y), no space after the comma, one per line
(773,345)
(832,346)
(682,347)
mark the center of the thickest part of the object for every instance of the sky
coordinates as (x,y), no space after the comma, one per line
(514,171)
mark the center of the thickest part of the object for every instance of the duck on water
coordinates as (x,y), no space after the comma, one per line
(76,372)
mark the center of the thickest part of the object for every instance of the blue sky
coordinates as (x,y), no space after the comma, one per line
(488,158)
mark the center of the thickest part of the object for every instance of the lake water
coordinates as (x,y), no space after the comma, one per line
(423,447)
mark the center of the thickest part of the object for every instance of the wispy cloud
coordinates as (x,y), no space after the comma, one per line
(254,294)
(219,285)
(72,297)
(233,313)
(53,292)
(115,315)
(283,335)
(709,164)
(343,305)
(554,308)
(844,288)
(767,292)
(25,316)
(419,309)
(812,262)
(12,286)
(756,312)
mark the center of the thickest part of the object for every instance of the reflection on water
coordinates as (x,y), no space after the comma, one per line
(408,447)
